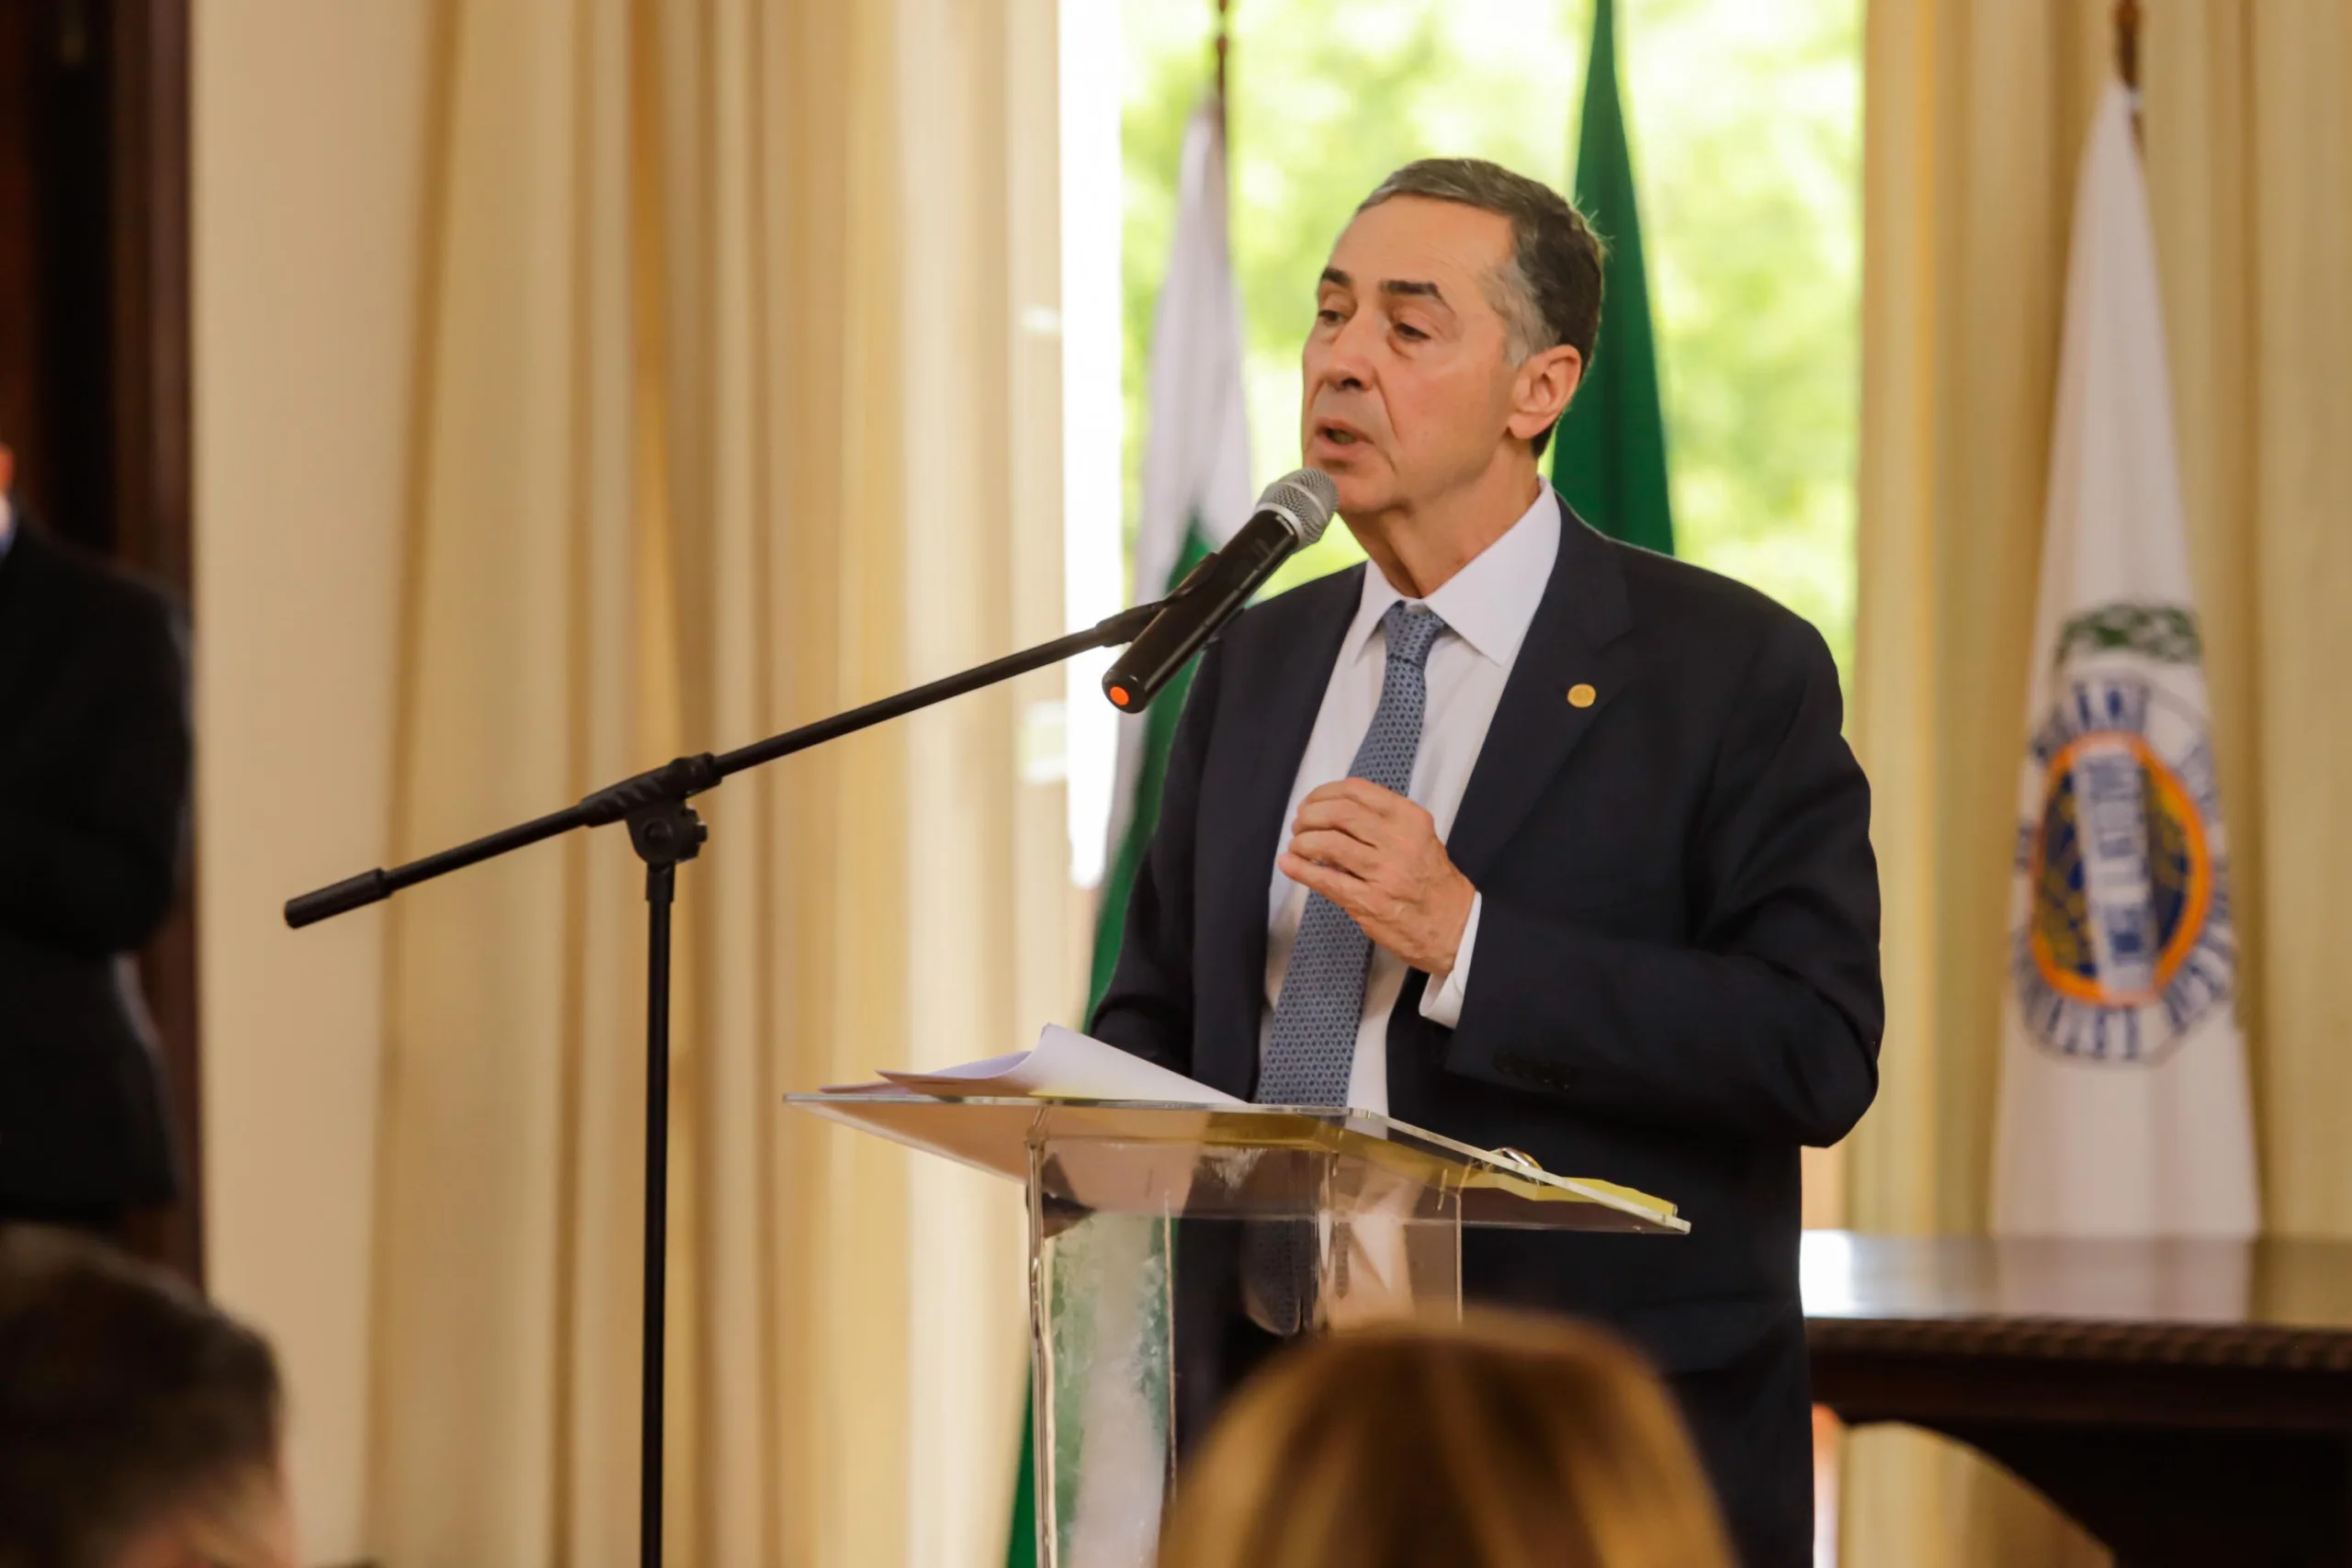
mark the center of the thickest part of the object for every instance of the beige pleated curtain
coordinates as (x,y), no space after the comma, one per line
(1976,111)
(725,419)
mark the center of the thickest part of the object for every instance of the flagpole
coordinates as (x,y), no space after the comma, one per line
(2127,55)
(1224,41)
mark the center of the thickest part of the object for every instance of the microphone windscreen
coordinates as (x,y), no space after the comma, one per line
(1307,498)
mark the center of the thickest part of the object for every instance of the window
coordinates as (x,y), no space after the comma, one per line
(1746,131)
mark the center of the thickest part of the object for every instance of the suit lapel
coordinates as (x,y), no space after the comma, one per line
(1577,639)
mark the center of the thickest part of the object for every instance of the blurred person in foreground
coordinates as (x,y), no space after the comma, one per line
(1501,1442)
(1522,836)
(94,777)
(139,1427)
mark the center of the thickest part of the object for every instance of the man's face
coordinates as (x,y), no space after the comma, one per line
(1407,379)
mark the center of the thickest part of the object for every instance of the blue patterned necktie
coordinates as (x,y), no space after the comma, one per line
(1314,1043)
(1312,1047)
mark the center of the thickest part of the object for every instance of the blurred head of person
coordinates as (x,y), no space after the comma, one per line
(1499,1442)
(139,1427)
(1452,326)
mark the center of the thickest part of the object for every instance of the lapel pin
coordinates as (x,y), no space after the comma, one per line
(1581,694)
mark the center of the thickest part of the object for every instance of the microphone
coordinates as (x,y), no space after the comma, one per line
(1291,515)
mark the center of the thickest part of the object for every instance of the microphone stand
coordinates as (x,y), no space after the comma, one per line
(665,832)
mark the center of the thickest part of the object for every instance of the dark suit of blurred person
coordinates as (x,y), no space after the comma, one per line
(94,775)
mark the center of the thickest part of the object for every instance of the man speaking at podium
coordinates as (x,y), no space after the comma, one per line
(1522,836)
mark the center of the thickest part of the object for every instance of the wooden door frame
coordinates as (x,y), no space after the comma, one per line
(99,90)
(154,474)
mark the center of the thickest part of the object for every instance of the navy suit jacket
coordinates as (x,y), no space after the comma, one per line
(1676,981)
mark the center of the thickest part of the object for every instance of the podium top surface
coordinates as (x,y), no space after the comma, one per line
(1234,1161)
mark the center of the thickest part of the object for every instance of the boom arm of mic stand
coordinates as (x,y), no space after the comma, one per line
(685,777)
(665,832)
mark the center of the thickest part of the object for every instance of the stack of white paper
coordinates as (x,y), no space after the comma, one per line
(1065,1064)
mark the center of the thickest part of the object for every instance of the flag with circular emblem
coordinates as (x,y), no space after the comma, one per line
(2123,1105)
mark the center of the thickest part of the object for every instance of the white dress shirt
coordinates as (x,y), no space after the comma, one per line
(1487,607)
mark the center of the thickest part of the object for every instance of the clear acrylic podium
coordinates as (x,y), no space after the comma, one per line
(1377,1207)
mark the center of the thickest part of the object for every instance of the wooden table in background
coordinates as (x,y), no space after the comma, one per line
(2184,1401)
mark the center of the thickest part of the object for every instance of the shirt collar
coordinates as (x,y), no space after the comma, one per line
(7,525)
(1491,602)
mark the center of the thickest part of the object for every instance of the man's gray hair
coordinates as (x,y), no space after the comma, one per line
(1549,292)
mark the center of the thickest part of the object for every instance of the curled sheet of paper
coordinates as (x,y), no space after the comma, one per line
(1065,1064)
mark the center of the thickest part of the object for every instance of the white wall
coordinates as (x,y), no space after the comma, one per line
(309,154)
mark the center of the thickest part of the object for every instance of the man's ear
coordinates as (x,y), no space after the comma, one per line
(1541,391)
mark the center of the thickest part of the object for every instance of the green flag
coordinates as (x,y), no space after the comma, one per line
(1135,795)
(1609,453)
(1195,496)
(1021,1547)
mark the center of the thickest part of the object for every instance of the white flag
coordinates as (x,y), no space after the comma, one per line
(1195,476)
(2123,1105)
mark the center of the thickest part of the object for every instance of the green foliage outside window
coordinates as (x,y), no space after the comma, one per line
(1746,129)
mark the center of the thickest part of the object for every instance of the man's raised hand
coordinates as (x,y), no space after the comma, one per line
(1377,856)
